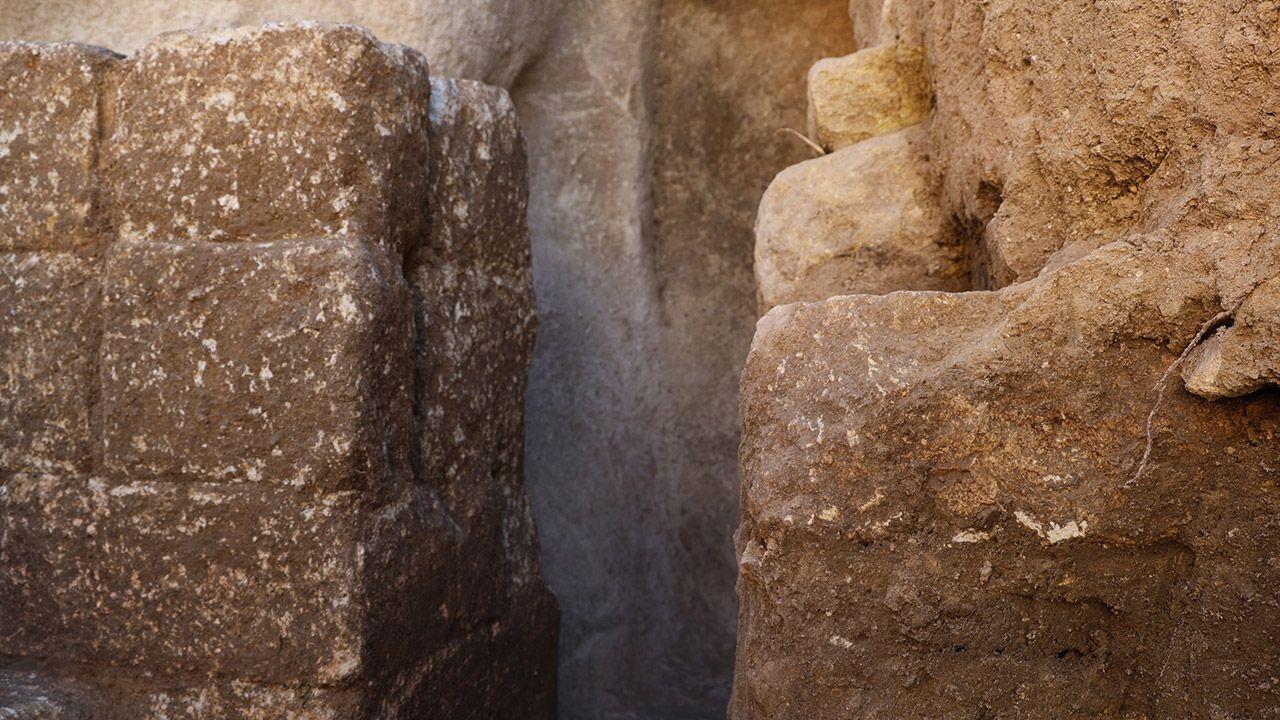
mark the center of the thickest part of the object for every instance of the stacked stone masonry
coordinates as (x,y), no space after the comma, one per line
(265,319)
(1055,497)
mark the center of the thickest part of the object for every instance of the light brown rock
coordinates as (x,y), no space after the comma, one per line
(865,219)
(868,93)
(1004,504)
(941,486)
(1240,358)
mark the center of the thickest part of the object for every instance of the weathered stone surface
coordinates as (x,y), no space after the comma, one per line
(1243,358)
(868,93)
(868,20)
(497,669)
(646,307)
(48,334)
(33,696)
(250,581)
(248,588)
(288,132)
(1003,504)
(251,586)
(727,75)
(1069,120)
(947,511)
(245,700)
(585,107)
(200,383)
(49,143)
(884,22)
(247,469)
(633,460)
(489,40)
(473,296)
(865,219)
(472,291)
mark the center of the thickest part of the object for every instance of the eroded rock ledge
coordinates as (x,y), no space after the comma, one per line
(1056,496)
(265,320)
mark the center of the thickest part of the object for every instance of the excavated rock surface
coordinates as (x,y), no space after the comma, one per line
(267,314)
(1007,504)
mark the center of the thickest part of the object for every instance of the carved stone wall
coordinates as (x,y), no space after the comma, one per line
(267,315)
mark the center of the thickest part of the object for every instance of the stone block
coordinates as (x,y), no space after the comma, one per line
(473,299)
(235,699)
(511,653)
(286,362)
(48,349)
(260,455)
(868,93)
(865,219)
(49,144)
(271,133)
(249,582)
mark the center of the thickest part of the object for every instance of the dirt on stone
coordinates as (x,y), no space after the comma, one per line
(946,508)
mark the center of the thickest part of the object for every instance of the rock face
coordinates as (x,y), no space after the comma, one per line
(865,219)
(633,428)
(472,296)
(1238,359)
(728,74)
(263,367)
(1006,504)
(865,94)
(644,178)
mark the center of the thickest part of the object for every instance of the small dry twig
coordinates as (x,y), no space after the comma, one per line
(1210,324)
(815,147)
